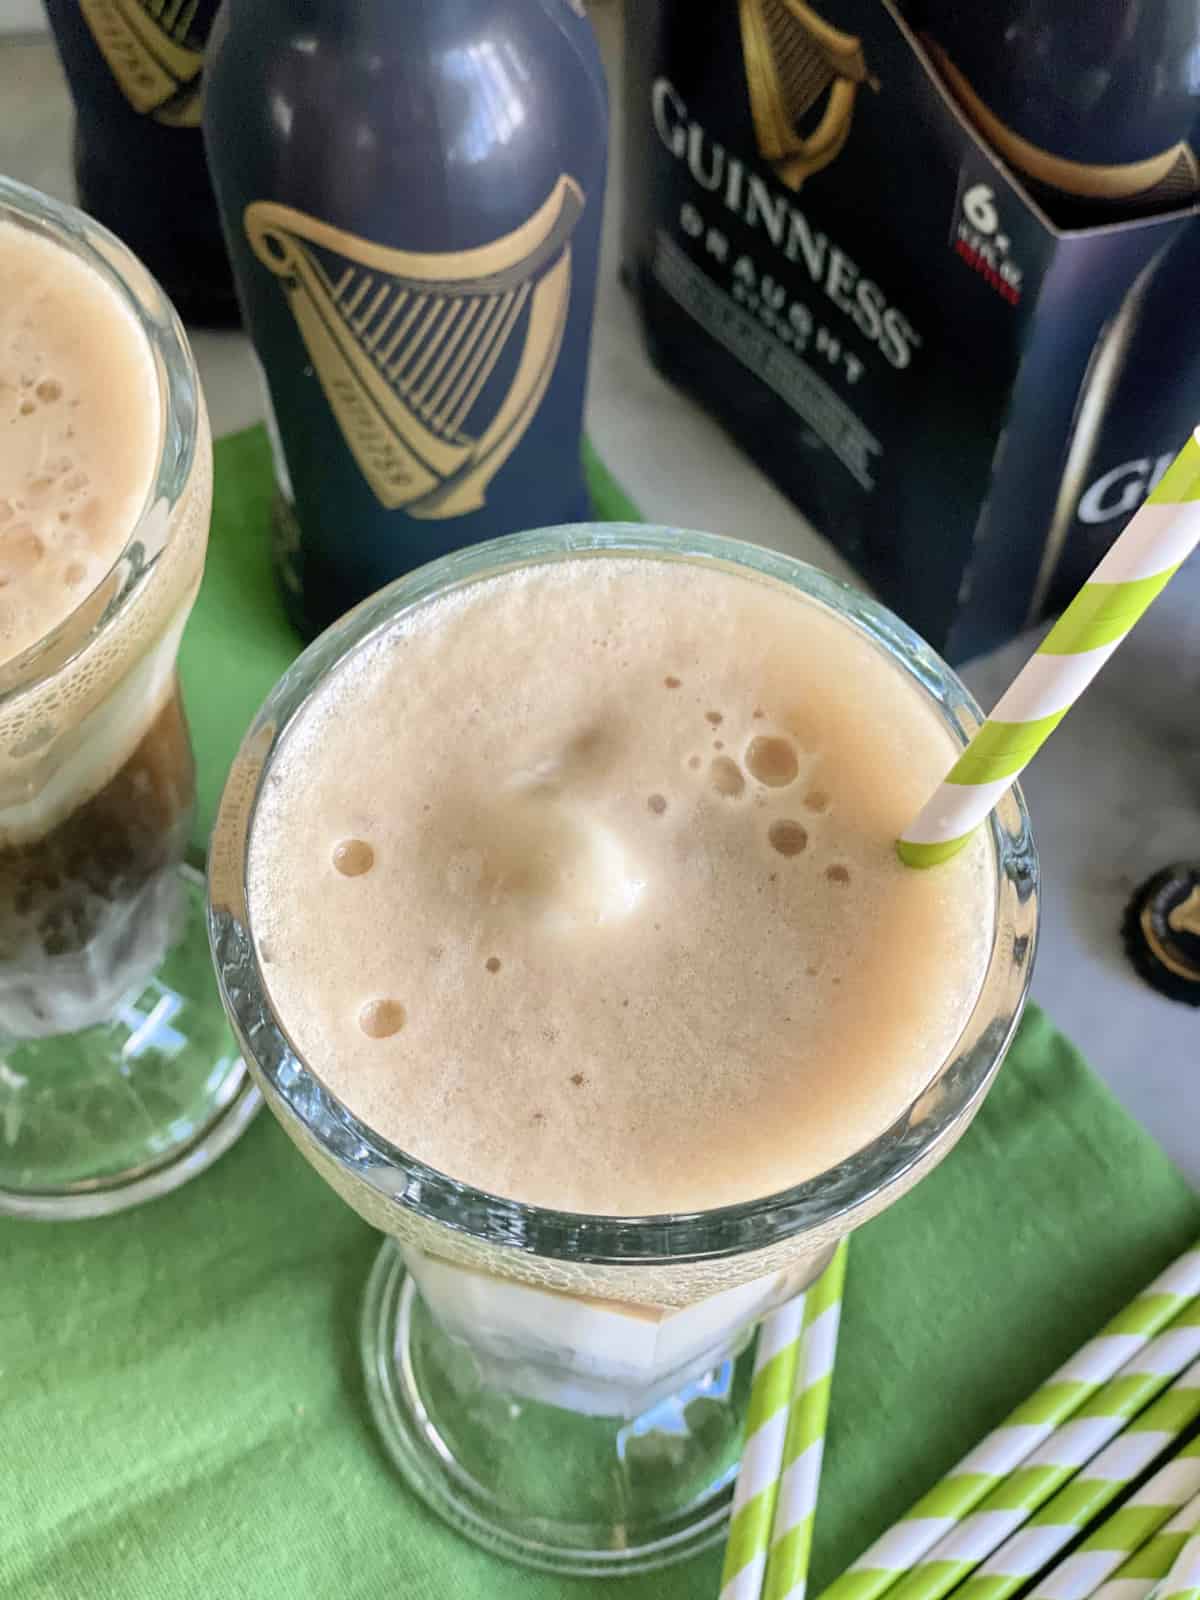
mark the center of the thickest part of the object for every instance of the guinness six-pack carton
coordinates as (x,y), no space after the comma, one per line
(968,400)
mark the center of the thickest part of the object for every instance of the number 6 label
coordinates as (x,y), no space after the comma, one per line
(978,238)
(979,207)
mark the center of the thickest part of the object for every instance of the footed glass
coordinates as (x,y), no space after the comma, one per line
(570,1390)
(119,1076)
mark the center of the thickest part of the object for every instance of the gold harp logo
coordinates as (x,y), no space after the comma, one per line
(151,54)
(796,63)
(407,345)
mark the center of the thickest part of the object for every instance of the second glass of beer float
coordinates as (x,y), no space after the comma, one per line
(500,969)
(119,1078)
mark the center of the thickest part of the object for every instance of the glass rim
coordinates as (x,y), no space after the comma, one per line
(178,428)
(400,1178)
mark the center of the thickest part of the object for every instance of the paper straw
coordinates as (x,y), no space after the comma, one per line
(1158,538)
(1138,1576)
(754,1494)
(1183,1580)
(1059,1522)
(804,1447)
(1118,1343)
(1054,1463)
(1128,1529)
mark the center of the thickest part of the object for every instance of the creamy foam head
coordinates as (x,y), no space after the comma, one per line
(580,885)
(81,427)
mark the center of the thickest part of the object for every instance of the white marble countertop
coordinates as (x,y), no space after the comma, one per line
(1115,794)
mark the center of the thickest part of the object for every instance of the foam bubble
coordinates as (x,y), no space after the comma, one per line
(726,777)
(787,837)
(772,761)
(353,857)
(380,1019)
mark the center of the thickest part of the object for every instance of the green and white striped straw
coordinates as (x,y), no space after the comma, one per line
(1043,1473)
(1128,1529)
(1060,1521)
(1158,538)
(1118,1344)
(804,1447)
(775,1361)
(1183,1580)
(1138,1576)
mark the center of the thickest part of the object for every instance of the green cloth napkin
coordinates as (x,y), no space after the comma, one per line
(181,1408)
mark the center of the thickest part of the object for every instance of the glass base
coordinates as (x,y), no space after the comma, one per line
(541,1486)
(132,1107)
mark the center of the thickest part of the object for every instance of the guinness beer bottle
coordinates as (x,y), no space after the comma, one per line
(134,71)
(1092,104)
(1136,407)
(412,200)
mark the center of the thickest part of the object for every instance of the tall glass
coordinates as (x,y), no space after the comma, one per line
(569,1390)
(119,1077)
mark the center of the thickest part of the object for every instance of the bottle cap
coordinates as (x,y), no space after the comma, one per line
(1162,931)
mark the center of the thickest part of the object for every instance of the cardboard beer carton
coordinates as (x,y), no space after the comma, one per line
(830,257)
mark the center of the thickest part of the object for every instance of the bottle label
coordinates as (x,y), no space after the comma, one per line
(979,235)
(744,261)
(155,53)
(434,364)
